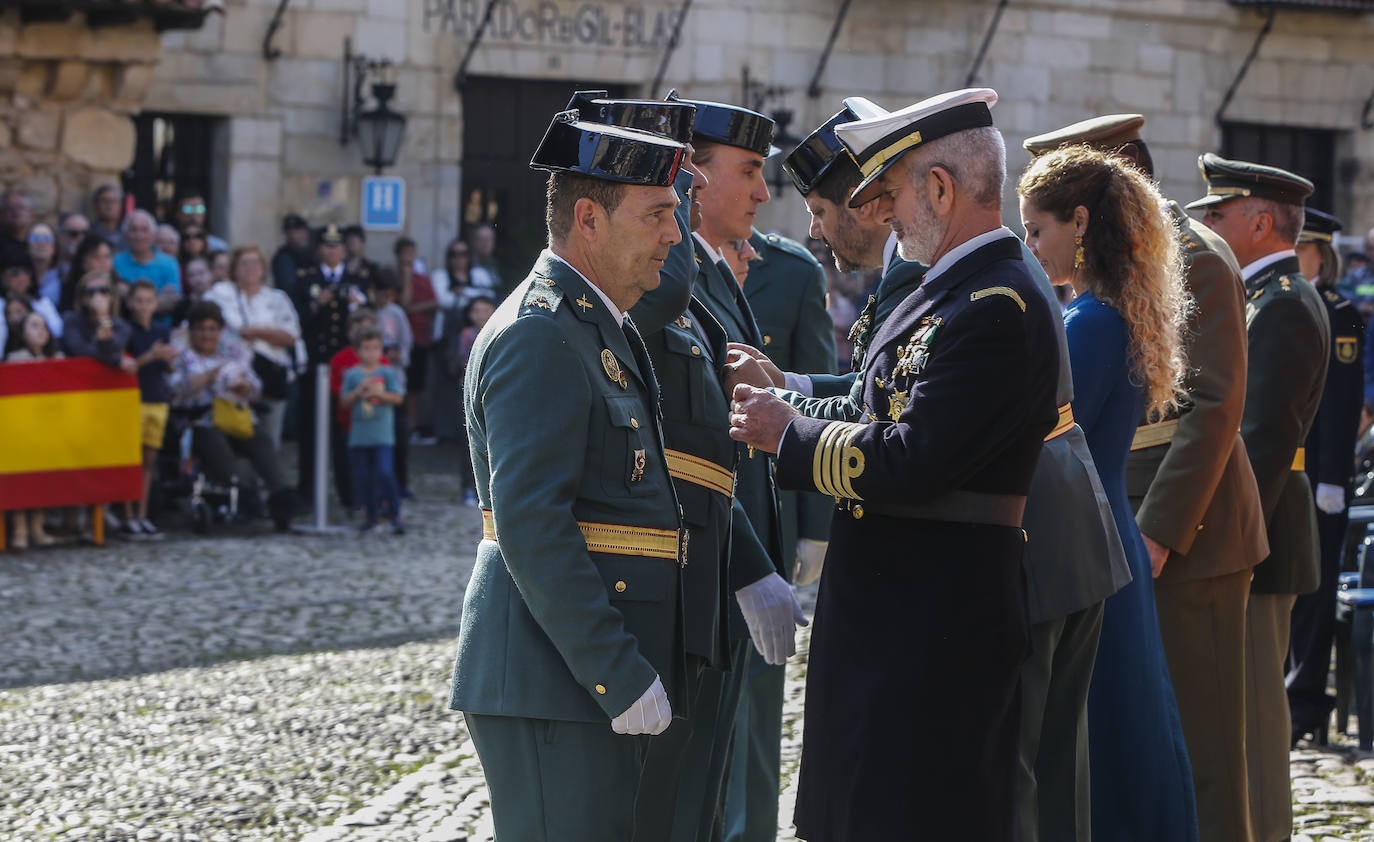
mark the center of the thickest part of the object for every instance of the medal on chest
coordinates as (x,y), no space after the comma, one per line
(912,357)
(612,366)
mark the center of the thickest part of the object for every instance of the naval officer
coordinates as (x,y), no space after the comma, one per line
(962,377)
(1258,211)
(570,648)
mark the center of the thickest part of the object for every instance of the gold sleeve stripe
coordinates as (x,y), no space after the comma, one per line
(1153,435)
(1300,459)
(836,462)
(1007,291)
(613,539)
(1065,422)
(703,472)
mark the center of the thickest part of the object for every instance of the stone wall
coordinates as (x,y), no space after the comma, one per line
(66,95)
(1053,62)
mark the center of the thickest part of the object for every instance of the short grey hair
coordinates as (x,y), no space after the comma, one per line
(976,158)
(138,213)
(1288,219)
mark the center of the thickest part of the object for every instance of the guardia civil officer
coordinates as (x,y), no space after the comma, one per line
(570,647)
(1329,449)
(913,703)
(729,147)
(1190,482)
(324,296)
(786,289)
(1258,210)
(687,348)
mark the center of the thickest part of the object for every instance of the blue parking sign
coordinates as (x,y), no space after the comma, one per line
(384,203)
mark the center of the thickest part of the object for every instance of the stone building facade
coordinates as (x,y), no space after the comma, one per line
(275,122)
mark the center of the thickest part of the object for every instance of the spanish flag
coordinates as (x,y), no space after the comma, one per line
(71,435)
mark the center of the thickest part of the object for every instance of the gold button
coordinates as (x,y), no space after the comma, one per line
(767,339)
(696,350)
(601,688)
(634,422)
(1199,527)
(620,587)
(857,511)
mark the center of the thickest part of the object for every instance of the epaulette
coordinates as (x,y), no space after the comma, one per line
(1007,291)
(791,247)
(543,294)
(1337,300)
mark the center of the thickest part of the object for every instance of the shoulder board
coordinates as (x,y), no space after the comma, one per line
(1337,300)
(542,295)
(791,247)
(1007,291)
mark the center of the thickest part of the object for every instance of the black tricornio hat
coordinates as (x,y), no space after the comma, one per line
(818,153)
(731,125)
(673,120)
(610,153)
(293,221)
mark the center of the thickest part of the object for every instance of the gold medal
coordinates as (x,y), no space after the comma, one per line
(638,473)
(896,403)
(612,366)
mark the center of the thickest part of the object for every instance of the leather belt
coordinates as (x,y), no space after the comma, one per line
(1300,459)
(615,539)
(957,506)
(1153,435)
(1065,422)
(703,472)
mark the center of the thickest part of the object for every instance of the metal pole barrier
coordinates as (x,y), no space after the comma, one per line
(322,409)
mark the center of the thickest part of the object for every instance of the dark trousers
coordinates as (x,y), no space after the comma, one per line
(556,781)
(374,480)
(401,427)
(1202,623)
(338,443)
(1267,721)
(665,763)
(219,454)
(751,789)
(1313,628)
(1053,786)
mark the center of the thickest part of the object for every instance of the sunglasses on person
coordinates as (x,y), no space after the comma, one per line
(40,238)
(92,291)
(193,208)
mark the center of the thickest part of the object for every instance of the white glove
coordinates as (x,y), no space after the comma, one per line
(1330,498)
(810,558)
(650,715)
(772,613)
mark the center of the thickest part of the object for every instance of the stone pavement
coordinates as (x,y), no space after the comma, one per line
(253,686)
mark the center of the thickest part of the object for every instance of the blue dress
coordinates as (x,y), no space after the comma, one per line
(1142,784)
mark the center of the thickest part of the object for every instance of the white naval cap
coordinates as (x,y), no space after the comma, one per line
(878,140)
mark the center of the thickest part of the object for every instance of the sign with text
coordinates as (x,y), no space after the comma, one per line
(384,203)
(559,24)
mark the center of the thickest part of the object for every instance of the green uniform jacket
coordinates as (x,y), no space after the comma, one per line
(718,292)
(563,425)
(1196,495)
(1290,342)
(786,289)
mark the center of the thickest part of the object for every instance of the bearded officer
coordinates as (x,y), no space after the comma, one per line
(1258,211)
(1329,449)
(570,647)
(931,496)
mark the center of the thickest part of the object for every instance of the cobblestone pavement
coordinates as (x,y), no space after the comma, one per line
(253,686)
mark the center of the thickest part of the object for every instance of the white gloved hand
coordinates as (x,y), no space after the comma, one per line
(650,715)
(772,613)
(810,558)
(1330,498)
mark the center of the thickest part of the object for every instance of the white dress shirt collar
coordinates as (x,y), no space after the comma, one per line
(710,252)
(615,311)
(1254,268)
(889,249)
(964,249)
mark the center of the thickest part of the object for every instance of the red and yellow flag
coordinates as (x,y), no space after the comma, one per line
(70,435)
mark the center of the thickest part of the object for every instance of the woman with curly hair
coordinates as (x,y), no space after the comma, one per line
(1096,224)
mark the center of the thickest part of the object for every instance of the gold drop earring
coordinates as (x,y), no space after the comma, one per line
(1078,259)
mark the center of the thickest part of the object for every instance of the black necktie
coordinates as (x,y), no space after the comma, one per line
(641,355)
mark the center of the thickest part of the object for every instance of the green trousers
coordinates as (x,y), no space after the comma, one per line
(556,781)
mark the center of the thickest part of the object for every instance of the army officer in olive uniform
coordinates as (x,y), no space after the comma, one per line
(1329,449)
(1258,211)
(571,637)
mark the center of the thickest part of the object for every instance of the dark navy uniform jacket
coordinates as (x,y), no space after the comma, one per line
(324,327)
(1330,445)
(922,625)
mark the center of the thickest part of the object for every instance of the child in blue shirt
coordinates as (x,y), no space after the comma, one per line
(371,391)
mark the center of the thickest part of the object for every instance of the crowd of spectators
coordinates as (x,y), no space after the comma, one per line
(218,339)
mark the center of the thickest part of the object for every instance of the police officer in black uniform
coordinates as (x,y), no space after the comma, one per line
(1330,449)
(324,296)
